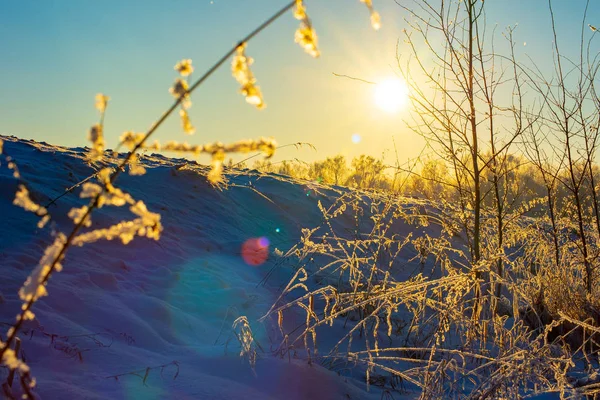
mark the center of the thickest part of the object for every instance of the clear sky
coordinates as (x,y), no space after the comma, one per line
(55,55)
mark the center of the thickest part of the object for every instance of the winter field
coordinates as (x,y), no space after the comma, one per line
(156,319)
(144,267)
(120,309)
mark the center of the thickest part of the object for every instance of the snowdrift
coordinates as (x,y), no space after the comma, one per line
(152,320)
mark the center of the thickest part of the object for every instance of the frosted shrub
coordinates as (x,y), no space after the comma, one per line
(427,328)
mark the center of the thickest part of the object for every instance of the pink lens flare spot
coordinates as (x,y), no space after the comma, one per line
(255,251)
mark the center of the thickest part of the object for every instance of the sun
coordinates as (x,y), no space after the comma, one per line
(391,95)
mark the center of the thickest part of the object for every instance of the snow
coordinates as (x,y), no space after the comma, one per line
(116,309)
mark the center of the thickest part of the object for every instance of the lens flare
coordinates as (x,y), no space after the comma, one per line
(356,138)
(255,251)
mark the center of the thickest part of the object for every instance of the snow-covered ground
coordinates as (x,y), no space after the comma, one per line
(116,309)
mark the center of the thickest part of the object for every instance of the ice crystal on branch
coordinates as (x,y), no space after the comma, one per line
(131,139)
(96,136)
(90,190)
(305,35)
(216,163)
(23,200)
(186,123)
(101,102)
(375,20)
(96,133)
(112,196)
(218,151)
(375,17)
(147,224)
(299,10)
(115,197)
(11,360)
(184,67)
(135,168)
(179,90)
(240,69)
(104,177)
(78,215)
(34,286)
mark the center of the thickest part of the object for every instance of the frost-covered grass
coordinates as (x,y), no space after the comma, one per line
(393,297)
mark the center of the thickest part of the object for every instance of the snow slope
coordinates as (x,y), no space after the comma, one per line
(116,309)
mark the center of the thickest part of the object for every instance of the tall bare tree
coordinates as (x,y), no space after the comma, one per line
(454,92)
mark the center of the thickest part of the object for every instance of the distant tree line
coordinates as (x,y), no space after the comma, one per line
(521,180)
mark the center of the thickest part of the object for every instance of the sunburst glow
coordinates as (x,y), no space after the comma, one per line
(391,95)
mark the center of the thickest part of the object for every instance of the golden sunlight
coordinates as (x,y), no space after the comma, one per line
(391,95)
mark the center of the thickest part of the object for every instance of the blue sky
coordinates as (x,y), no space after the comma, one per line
(56,55)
